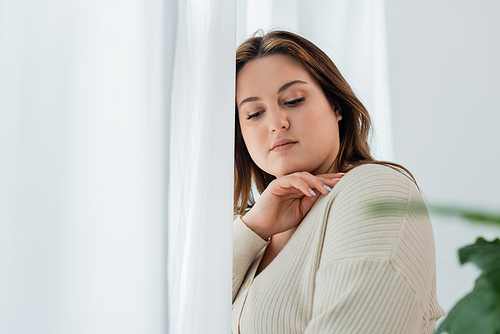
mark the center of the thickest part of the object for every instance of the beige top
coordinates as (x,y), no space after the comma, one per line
(347,268)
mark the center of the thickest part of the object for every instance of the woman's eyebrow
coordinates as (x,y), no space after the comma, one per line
(282,89)
(287,85)
(249,99)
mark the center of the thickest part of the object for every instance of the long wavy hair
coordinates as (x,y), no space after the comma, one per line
(354,128)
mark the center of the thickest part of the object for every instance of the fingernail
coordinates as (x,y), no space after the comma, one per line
(335,179)
(312,192)
(327,187)
(341,173)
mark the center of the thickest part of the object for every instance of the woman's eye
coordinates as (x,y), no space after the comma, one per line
(255,115)
(294,102)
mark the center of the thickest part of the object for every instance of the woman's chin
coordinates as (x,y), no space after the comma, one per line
(287,170)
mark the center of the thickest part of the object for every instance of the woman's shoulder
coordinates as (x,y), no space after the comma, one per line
(367,211)
(378,171)
(376,181)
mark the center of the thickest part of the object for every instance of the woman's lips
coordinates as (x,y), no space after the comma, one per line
(283,148)
(282,145)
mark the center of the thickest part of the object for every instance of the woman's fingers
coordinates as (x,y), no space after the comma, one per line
(331,178)
(324,183)
(331,175)
(302,184)
(310,185)
(331,182)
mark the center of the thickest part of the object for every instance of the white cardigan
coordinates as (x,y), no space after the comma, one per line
(347,268)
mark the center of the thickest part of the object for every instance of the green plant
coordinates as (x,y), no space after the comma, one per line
(479,311)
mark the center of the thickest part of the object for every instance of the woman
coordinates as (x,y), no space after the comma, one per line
(311,255)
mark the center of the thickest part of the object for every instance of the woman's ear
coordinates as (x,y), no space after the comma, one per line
(338,111)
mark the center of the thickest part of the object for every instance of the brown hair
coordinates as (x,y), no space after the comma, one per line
(354,128)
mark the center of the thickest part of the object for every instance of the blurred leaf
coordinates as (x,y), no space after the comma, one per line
(384,207)
(391,206)
(479,311)
(484,254)
(467,214)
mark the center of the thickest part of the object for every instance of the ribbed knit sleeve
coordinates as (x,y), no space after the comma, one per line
(375,299)
(377,266)
(246,245)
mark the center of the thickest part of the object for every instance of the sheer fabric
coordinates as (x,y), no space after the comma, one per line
(201,168)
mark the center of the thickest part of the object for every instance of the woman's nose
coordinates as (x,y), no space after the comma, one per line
(278,120)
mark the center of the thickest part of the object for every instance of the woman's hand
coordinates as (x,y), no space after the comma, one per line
(286,201)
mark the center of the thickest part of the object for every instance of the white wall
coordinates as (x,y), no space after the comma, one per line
(445,75)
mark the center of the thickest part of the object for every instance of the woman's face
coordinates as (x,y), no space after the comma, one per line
(287,123)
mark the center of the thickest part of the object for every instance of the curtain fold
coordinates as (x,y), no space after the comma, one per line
(201,168)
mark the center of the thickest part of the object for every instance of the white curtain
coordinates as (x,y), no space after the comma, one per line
(201,168)
(86,147)
(351,32)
